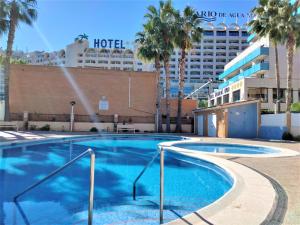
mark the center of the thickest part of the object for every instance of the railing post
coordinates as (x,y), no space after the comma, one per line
(91,193)
(161,199)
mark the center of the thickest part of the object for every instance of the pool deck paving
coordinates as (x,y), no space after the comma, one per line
(282,172)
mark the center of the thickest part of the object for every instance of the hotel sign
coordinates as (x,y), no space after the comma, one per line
(219,93)
(108,43)
(210,16)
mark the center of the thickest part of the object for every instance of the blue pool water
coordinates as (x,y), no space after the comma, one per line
(226,148)
(189,183)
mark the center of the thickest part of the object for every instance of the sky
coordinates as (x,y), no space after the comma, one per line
(60,21)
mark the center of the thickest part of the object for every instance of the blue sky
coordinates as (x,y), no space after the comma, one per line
(60,21)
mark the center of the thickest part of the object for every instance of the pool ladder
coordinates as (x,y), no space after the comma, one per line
(91,191)
(160,152)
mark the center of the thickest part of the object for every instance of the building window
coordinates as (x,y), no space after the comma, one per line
(208,33)
(221,47)
(195,73)
(219,67)
(281,94)
(219,100)
(226,98)
(233,33)
(103,62)
(195,66)
(245,34)
(207,66)
(258,93)
(221,41)
(236,95)
(115,62)
(195,60)
(220,53)
(233,47)
(233,41)
(221,33)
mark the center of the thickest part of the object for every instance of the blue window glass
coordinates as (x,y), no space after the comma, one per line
(208,33)
(233,33)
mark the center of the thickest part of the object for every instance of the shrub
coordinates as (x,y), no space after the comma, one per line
(93,129)
(287,136)
(45,128)
(32,127)
(202,104)
(297,138)
(295,107)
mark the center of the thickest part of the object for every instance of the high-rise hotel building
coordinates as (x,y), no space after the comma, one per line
(205,61)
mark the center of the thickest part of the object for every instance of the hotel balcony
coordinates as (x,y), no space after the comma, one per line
(252,71)
(251,37)
(259,53)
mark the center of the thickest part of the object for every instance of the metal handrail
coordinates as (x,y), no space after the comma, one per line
(141,174)
(92,176)
(162,181)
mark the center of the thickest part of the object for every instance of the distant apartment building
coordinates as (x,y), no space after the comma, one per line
(205,61)
(251,75)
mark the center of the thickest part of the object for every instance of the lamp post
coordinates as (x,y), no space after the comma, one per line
(72,103)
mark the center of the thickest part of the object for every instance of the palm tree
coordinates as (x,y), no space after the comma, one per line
(17,11)
(290,26)
(187,32)
(266,24)
(163,22)
(3,18)
(82,37)
(148,50)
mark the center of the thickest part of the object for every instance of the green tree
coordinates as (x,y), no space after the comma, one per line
(163,21)
(265,24)
(290,26)
(149,51)
(17,11)
(188,31)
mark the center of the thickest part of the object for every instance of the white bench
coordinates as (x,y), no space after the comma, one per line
(125,127)
(9,125)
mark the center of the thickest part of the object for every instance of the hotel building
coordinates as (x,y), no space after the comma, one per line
(206,60)
(251,75)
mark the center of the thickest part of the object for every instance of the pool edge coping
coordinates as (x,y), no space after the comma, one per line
(284,152)
(244,184)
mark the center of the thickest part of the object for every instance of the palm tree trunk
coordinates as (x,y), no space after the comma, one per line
(158,97)
(10,40)
(277,79)
(180,91)
(290,60)
(168,119)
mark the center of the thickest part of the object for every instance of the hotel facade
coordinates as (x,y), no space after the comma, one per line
(251,75)
(205,61)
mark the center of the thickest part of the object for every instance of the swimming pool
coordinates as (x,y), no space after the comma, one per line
(226,148)
(189,183)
